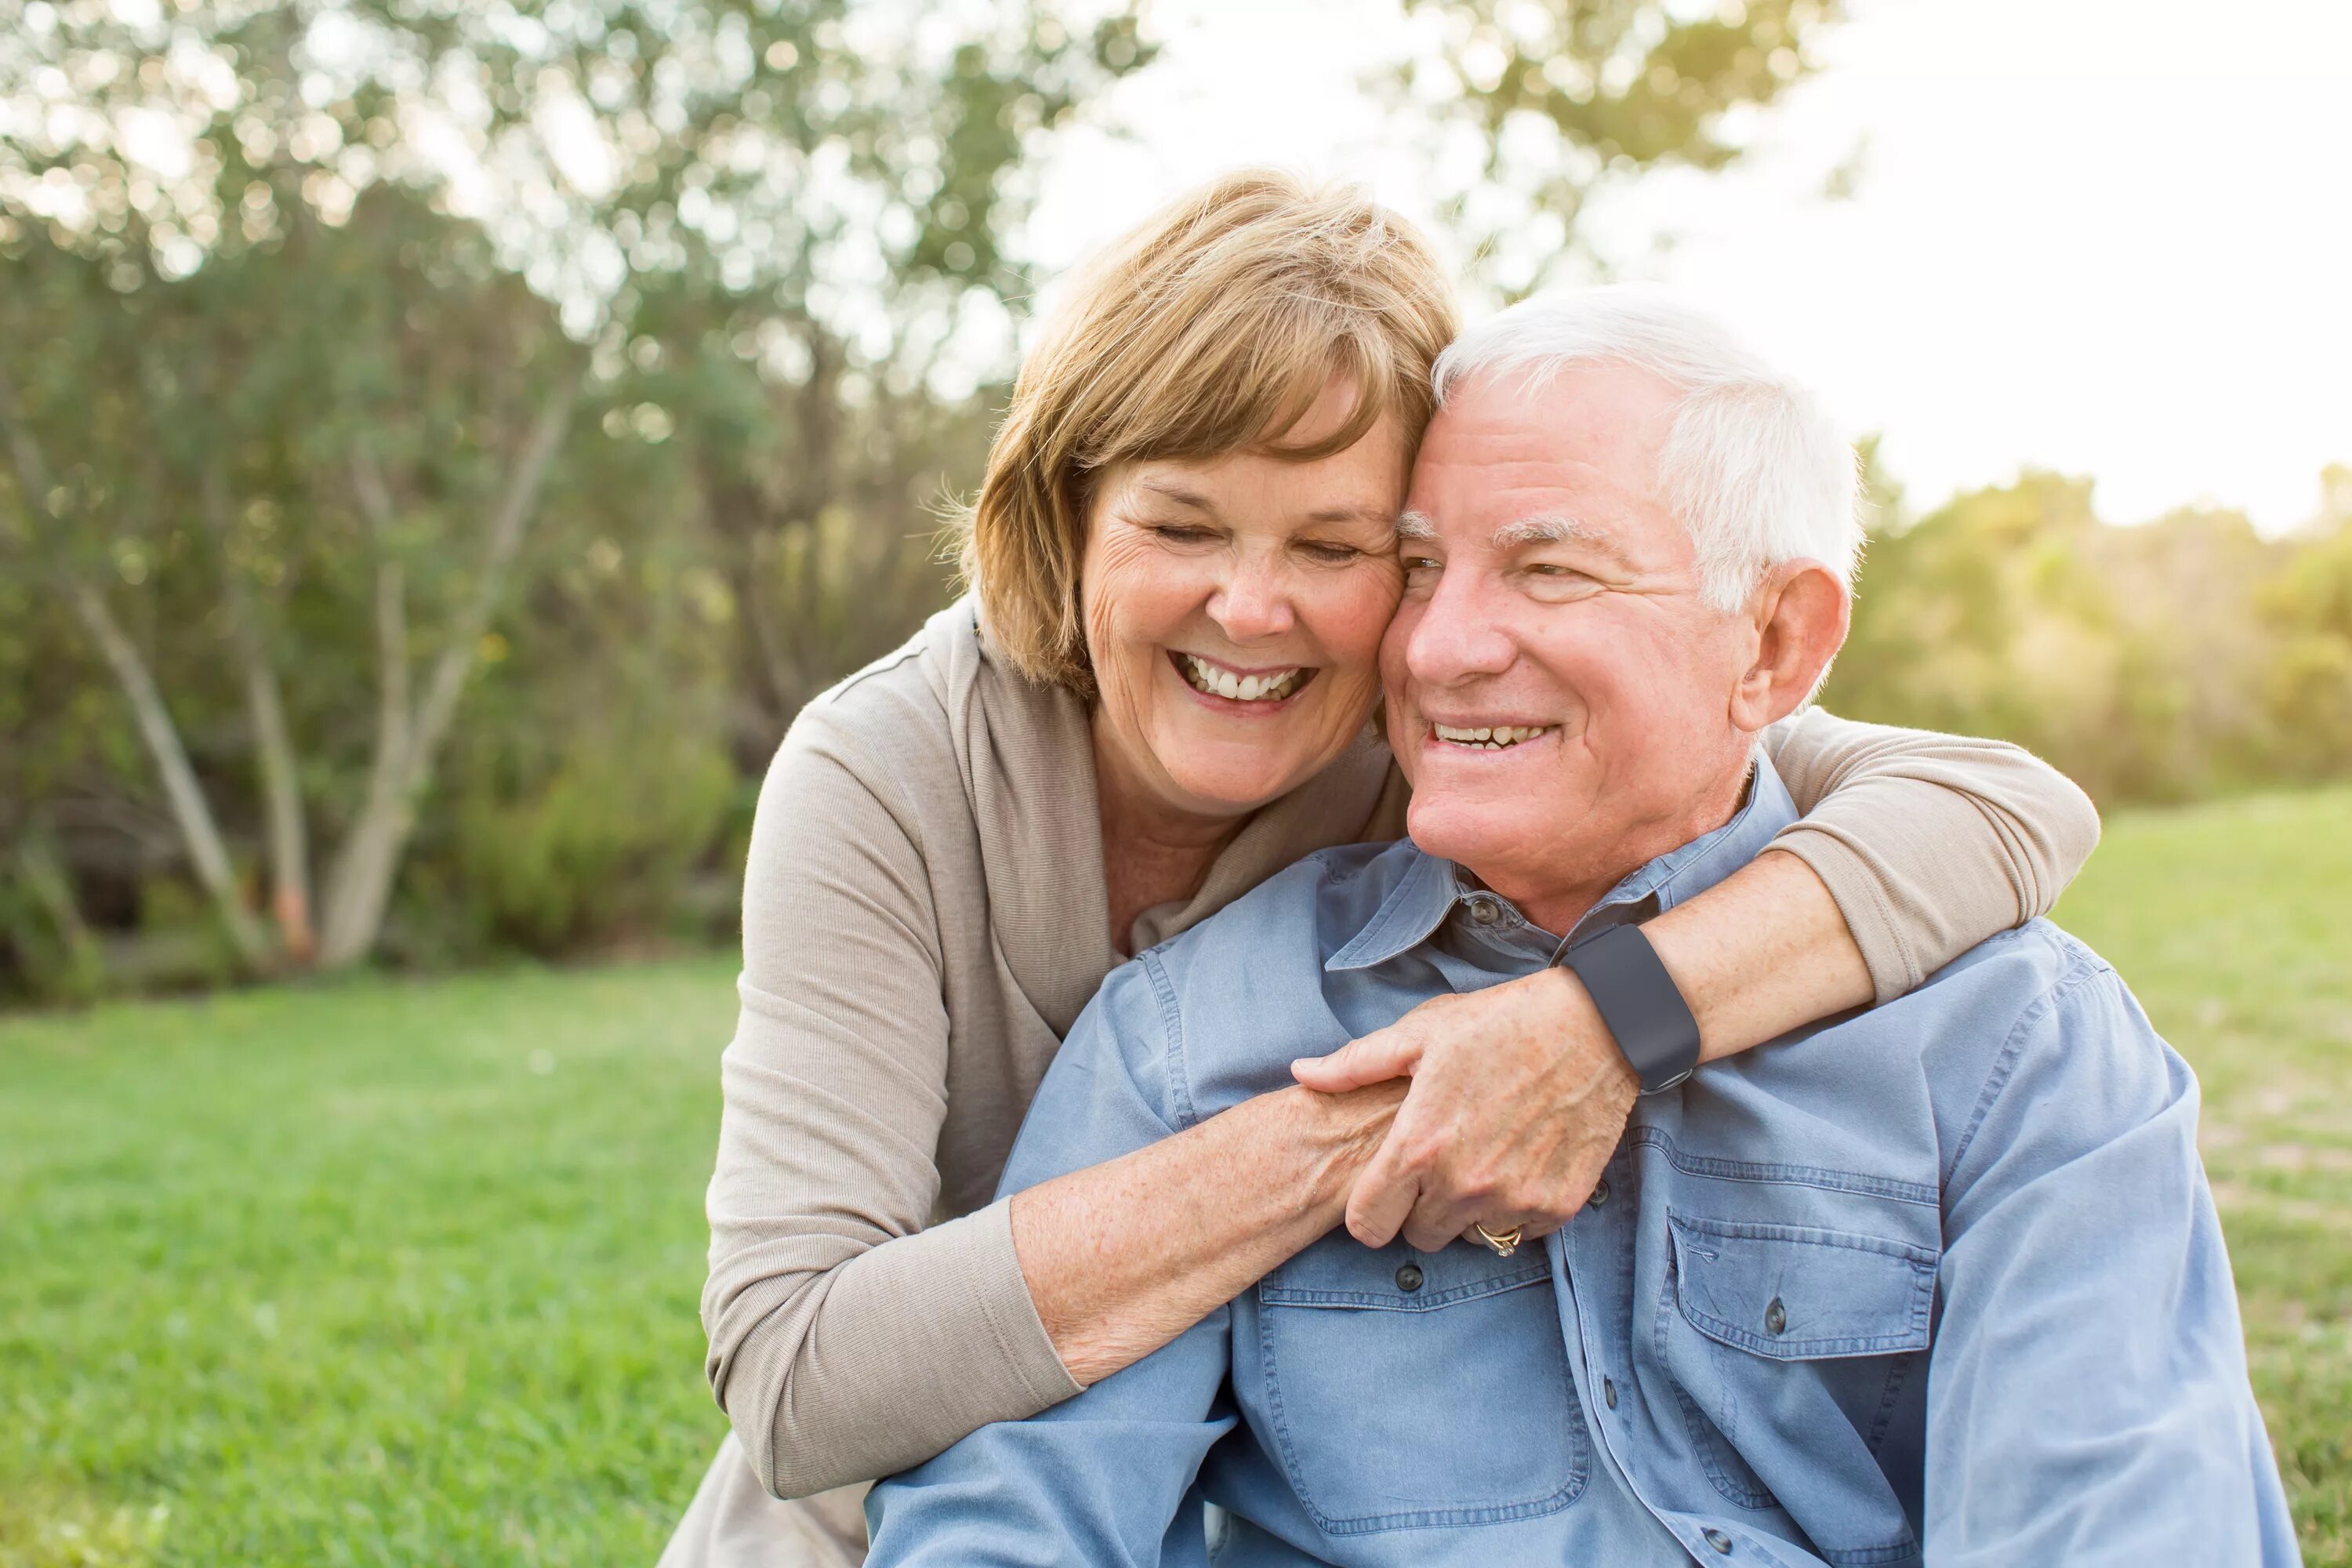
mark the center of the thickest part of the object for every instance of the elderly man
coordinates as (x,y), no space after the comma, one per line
(1941,1281)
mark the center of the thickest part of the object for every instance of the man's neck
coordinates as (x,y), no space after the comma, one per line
(1559,895)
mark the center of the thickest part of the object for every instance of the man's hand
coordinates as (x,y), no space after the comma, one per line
(1519,1096)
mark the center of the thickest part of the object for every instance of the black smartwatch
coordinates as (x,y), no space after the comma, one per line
(1639,1002)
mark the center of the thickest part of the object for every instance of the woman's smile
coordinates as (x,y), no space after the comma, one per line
(1238,690)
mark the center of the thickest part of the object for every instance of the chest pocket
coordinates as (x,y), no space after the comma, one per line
(1789,1346)
(1408,1389)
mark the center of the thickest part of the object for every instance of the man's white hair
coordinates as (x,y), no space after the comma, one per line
(1753,467)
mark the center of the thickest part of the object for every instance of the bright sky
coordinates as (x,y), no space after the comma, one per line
(2108,237)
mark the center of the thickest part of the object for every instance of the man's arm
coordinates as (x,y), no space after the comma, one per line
(1101,1478)
(2087,1393)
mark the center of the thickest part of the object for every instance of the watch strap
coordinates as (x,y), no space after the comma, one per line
(1639,1003)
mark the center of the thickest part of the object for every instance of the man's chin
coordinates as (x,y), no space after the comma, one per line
(1466,832)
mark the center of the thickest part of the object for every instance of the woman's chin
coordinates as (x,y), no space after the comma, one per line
(1237,790)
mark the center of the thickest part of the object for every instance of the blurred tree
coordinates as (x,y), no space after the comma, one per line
(1539,106)
(2309,689)
(2133,658)
(281,245)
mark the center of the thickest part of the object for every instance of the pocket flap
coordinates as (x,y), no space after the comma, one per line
(1340,1271)
(1795,1293)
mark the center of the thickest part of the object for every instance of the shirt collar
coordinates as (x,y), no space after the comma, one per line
(1430,888)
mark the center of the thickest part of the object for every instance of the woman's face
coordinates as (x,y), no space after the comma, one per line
(1234,610)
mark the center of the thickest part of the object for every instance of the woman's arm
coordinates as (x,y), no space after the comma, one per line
(847,1341)
(1928,843)
(1916,847)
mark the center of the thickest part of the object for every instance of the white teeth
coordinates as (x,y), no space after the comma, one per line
(1209,678)
(1490,738)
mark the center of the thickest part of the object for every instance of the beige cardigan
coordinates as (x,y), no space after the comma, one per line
(924,917)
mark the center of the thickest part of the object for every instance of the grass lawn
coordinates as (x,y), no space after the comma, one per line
(407,1273)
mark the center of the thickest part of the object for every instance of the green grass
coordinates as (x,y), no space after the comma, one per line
(356,1274)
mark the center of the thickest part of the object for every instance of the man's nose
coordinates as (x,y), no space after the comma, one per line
(1253,603)
(1457,636)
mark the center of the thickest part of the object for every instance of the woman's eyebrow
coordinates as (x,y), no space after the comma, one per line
(1169,489)
(1373,516)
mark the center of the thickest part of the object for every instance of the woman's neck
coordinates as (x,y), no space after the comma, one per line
(1153,853)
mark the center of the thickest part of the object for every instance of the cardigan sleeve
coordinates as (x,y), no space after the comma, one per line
(847,1340)
(1929,843)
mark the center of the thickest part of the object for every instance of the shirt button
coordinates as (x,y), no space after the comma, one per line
(1484,912)
(1609,1393)
(1409,1277)
(1776,1318)
(1718,1540)
(1599,1195)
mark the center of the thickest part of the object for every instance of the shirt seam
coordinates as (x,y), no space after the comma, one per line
(2082,968)
(1171,1043)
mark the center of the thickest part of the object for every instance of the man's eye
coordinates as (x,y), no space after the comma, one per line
(1417,564)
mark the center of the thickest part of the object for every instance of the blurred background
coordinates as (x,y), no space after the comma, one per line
(443,443)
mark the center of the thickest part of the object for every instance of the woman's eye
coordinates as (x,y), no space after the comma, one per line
(1325,549)
(1180,532)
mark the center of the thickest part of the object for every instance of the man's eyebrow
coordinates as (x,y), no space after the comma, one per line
(1556,529)
(1414,525)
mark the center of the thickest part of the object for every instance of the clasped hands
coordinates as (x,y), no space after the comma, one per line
(1519,1096)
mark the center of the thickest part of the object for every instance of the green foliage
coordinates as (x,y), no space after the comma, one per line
(1554,100)
(600,849)
(407,1272)
(2164,661)
(317,288)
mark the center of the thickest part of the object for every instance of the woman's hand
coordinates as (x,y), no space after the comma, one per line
(1519,1096)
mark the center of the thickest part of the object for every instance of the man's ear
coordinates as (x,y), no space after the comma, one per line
(1799,613)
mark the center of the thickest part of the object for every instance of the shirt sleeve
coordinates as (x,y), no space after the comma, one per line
(2087,1397)
(846,1339)
(1929,843)
(1107,1478)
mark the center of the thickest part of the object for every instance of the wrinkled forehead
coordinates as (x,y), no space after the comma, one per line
(1574,461)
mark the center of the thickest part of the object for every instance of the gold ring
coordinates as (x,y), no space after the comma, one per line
(1503,1245)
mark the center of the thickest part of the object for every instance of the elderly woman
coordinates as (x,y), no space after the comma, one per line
(1158,695)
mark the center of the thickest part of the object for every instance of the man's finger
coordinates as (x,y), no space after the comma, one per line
(1382,1197)
(1433,1224)
(1375,1058)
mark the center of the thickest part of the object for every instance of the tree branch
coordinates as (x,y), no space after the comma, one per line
(290,850)
(513,521)
(370,856)
(198,830)
(189,808)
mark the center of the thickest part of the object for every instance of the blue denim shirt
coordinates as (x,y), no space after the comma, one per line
(1941,1280)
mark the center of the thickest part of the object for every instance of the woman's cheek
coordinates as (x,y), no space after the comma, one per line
(1358,613)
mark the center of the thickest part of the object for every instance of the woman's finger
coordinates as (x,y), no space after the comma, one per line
(1375,1058)
(1384,1193)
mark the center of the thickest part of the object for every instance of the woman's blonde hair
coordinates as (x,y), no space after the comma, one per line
(1212,328)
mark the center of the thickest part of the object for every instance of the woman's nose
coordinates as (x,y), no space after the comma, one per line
(1253,603)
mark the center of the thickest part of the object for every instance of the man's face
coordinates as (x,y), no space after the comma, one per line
(1553,593)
